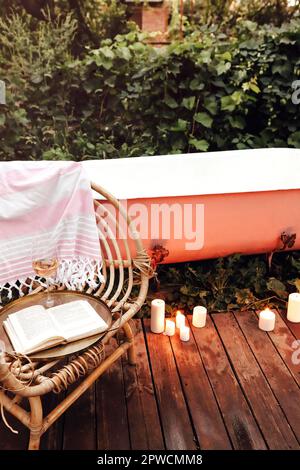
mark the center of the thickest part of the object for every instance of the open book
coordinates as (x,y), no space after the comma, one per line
(36,328)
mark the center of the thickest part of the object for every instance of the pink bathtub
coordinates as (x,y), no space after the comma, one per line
(208,205)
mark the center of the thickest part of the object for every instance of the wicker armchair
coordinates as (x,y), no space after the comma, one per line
(124,265)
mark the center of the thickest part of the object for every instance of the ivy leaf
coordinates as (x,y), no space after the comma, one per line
(104,62)
(171,102)
(254,88)
(274,285)
(210,103)
(286,40)
(205,55)
(227,103)
(282,69)
(107,52)
(196,84)
(201,145)
(189,102)
(294,139)
(180,126)
(223,67)
(226,56)
(204,119)
(124,53)
(237,122)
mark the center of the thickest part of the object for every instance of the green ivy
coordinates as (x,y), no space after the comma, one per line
(225,284)
(212,91)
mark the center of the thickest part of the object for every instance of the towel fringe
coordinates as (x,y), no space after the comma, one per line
(74,273)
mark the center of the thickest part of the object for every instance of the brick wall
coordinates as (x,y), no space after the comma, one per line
(152,19)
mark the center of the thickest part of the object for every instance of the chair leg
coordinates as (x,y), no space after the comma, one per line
(36,423)
(131,354)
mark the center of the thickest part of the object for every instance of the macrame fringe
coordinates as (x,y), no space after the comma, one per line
(75,274)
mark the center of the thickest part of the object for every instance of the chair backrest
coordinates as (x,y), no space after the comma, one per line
(126,265)
(125,261)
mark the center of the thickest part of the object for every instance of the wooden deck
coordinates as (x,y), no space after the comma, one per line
(231,386)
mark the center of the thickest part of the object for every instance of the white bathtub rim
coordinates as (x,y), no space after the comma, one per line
(228,172)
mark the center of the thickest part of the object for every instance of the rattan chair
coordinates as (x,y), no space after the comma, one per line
(125,266)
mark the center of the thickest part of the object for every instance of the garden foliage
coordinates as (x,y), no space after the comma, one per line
(211,91)
(232,283)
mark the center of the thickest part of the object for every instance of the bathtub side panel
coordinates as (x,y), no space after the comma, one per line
(223,224)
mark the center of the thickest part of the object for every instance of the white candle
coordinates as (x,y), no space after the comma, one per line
(293,313)
(157,316)
(180,319)
(170,328)
(199,316)
(267,320)
(184,333)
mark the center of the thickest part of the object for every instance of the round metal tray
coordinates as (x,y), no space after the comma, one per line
(59,298)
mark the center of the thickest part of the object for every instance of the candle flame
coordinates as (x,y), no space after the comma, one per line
(179,312)
(267,310)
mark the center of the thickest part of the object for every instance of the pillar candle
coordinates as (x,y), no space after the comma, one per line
(199,316)
(293,313)
(267,320)
(184,333)
(180,319)
(170,328)
(157,323)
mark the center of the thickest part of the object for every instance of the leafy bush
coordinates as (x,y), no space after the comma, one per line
(232,283)
(210,92)
(36,66)
(230,12)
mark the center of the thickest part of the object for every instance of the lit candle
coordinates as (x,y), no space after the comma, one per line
(184,333)
(293,313)
(170,328)
(180,319)
(267,320)
(199,316)
(157,323)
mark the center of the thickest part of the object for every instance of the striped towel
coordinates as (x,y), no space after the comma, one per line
(46,211)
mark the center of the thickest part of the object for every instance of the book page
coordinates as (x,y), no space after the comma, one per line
(32,326)
(77,320)
(13,337)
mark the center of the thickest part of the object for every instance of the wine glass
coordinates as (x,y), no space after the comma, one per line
(45,264)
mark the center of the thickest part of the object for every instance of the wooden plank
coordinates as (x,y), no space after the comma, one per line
(294,327)
(53,438)
(272,421)
(143,418)
(177,427)
(241,425)
(283,338)
(111,411)
(280,379)
(204,410)
(80,425)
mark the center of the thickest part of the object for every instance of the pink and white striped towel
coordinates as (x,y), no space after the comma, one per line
(47,207)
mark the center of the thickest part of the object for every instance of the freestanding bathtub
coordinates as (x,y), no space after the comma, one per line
(206,205)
